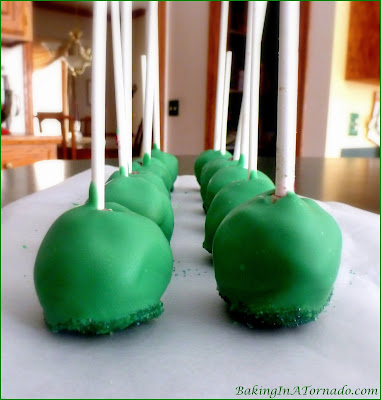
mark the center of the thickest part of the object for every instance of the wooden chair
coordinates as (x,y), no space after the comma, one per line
(67,125)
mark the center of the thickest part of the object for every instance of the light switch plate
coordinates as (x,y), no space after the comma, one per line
(173,108)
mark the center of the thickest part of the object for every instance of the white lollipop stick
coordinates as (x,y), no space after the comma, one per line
(143,66)
(237,145)
(98,76)
(119,86)
(149,90)
(156,104)
(287,97)
(126,14)
(228,70)
(220,74)
(259,13)
(246,86)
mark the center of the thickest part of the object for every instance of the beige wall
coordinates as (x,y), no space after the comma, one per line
(187,41)
(329,98)
(345,96)
(318,72)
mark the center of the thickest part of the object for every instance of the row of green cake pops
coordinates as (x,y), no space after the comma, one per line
(276,256)
(105,265)
(128,186)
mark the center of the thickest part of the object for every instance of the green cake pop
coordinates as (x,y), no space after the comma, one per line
(277,256)
(230,197)
(149,176)
(169,160)
(155,166)
(255,182)
(99,271)
(276,262)
(205,157)
(210,169)
(142,197)
(226,175)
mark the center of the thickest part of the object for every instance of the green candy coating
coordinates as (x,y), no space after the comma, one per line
(276,261)
(169,160)
(205,157)
(98,271)
(223,177)
(230,197)
(155,166)
(142,197)
(148,176)
(210,169)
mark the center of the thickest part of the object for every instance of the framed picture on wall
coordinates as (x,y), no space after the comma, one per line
(88,92)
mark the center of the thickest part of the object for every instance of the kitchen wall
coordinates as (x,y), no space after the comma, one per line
(318,74)
(329,98)
(187,56)
(346,96)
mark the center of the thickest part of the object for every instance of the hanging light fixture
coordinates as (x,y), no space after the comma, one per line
(77,57)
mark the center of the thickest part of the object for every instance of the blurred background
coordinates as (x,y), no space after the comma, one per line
(46,77)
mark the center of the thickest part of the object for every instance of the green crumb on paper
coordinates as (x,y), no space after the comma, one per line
(75,204)
(24,246)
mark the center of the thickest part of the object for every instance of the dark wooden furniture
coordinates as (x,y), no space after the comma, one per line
(23,150)
(354,181)
(83,148)
(67,125)
(86,126)
(363,53)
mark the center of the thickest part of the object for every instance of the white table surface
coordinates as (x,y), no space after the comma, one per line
(194,349)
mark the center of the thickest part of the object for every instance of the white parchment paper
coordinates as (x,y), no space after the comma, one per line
(194,349)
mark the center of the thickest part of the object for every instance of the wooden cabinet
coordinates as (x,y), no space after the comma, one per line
(363,55)
(23,150)
(16,21)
